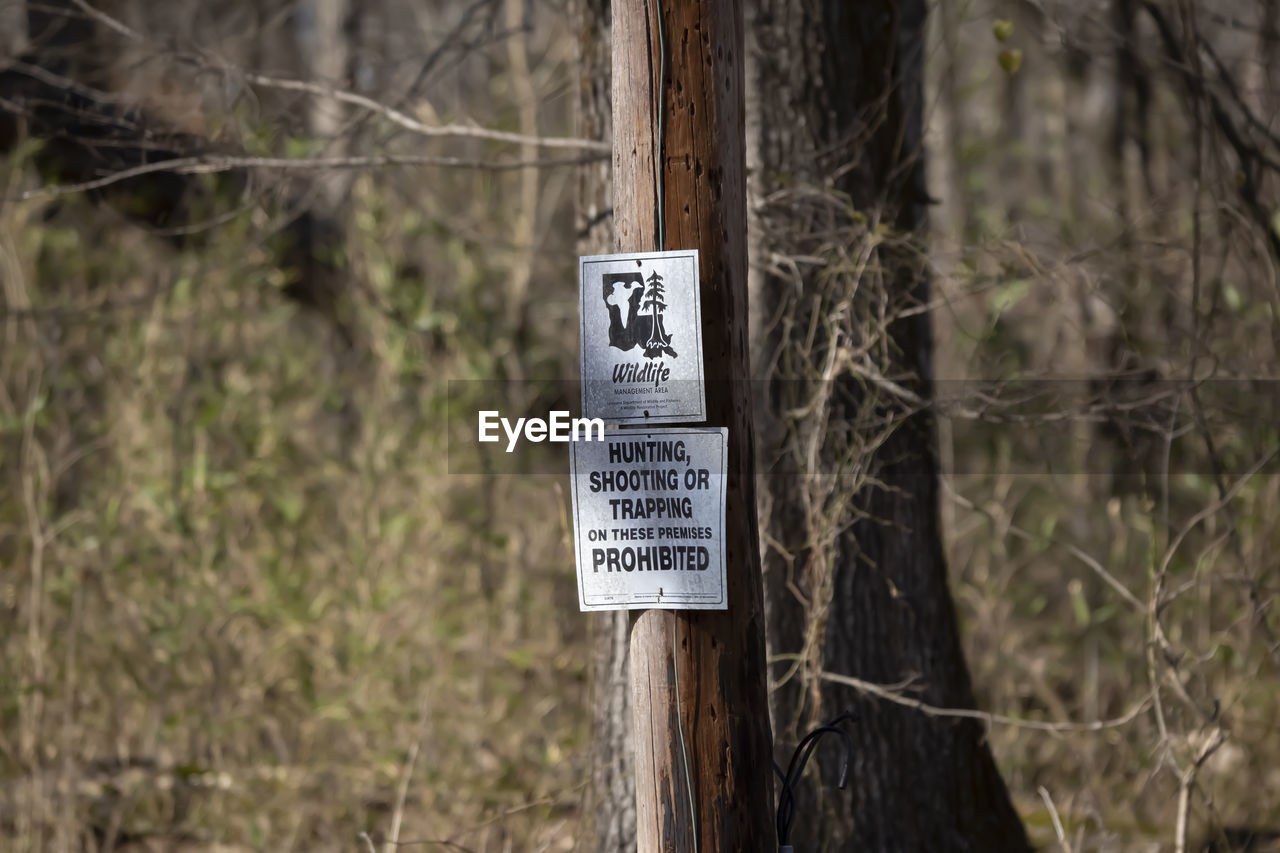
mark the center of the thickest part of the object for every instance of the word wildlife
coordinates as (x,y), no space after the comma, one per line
(655,372)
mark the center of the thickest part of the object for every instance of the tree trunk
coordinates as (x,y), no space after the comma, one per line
(856,580)
(609,806)
(87,136)
(679,159)
(324,30)
(13,30)
(966,201)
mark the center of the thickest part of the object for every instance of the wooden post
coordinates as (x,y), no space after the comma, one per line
(704,777)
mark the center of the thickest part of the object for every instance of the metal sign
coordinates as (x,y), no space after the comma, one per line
(648,519)
(641,317)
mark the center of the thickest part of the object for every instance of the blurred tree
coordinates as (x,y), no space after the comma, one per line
(856,579)
(610,802)
(13,30)
(62,92)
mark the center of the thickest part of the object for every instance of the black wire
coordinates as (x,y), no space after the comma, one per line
(660,155)
(795,769)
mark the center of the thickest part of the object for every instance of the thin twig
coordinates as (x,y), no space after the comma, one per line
(401,795)
(880,691)
(438,842)
(1223,500)
(1185,782)
(408,122)
(108,21)
(355,99)
(1057,821)
(203,165)
(1074,551)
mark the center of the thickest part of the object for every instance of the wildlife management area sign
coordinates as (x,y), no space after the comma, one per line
(648,518)
(642,338)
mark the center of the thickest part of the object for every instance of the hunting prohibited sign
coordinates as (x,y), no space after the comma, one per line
(648,519)
(641,321)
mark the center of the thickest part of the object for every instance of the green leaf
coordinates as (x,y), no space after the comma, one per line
(289,504)
(1002,29)
(1275,222)
(1078,603)
(298,149)
(1009,295)
(1232,295)
(1011,60)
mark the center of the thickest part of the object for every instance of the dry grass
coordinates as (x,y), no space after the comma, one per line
(245,605)
(241,586)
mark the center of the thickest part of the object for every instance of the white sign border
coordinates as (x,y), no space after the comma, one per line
(665,603)
(700,416)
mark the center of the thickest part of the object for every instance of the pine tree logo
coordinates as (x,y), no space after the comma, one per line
(659,342)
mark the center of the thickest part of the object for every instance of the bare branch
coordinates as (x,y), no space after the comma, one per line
(410,123)
(1057,821)
(882,692)
(114,24)
(203,165)
(355,99)
(1079,554)
(1188,779)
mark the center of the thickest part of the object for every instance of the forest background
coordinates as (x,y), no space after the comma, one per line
(250,599)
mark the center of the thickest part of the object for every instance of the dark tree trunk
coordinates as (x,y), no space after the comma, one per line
(855,573)
(609,806)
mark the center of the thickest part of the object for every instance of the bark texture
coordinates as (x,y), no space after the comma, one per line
(856,579)
(700,703)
